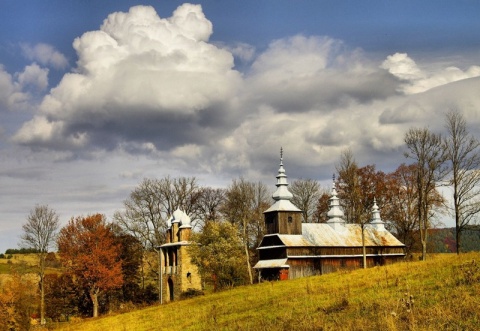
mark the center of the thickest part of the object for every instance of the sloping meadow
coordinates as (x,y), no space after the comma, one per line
(442,293)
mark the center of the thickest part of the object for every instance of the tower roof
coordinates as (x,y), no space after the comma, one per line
(179,217)
(282,195)
(376,219)
(335,212)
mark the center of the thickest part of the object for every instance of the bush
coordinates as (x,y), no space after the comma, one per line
(190,293)
(21,251)
(468,273)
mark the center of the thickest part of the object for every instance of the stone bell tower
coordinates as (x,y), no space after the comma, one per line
(179,274)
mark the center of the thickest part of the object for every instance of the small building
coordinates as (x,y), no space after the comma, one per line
(292,249)
(179,274)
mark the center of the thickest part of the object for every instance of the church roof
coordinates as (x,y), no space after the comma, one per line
(276,263)
(324,235)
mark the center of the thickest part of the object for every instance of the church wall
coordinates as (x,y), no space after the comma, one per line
(290,222)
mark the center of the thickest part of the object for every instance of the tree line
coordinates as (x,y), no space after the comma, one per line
(107,265)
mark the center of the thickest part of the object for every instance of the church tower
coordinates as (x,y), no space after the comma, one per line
(283,217)
(179,274)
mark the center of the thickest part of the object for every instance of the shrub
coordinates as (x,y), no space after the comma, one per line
(191,293)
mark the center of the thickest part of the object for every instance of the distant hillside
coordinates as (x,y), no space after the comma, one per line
(439,294)
(443,240)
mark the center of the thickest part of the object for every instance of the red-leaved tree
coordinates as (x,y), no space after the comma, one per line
(89,252)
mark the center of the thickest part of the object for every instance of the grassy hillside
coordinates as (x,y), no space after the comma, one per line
(440,294)
(22,262)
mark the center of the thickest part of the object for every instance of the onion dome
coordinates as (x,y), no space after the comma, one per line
(282,195)
(185,221)
(376,219)
(282,192)
(177,216)
(335,213)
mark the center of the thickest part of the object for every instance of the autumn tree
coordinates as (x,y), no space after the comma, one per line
(219,253)
(89,252)
(39,233)
(322,207)
(357,190)
(62,296)
(349,189)
(426,149)
(131,255)
(463,157)
(244,205)
(18,292)
(400,209)
(306,193)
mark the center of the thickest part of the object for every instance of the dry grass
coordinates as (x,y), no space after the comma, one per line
(22,263)
(442,293)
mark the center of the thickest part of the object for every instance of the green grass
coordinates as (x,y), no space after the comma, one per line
(442,293)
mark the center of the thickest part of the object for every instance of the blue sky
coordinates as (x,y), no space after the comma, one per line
(88,109)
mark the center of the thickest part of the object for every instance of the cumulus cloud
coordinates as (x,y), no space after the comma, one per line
(140,77)
(33,76)
(12,96)
(242,51)
(45,54)
(418,80)
(300,73)
(157,87)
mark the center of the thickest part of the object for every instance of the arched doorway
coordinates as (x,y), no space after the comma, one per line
(170,288)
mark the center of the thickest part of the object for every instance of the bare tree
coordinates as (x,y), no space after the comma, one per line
(144,215)
(244,205)
(39,232)
(463,156)
(306,193)
(348,183)
(149,207)
(208,205)
(427,150)
(153,202)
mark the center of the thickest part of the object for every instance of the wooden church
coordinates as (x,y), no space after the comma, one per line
(292,249)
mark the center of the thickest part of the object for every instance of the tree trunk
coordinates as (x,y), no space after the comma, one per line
(424,234)
(247,254)
(457,218)
(363,248)
(42,299)
(424,250)
(42,288)
(457,238)
(94,298)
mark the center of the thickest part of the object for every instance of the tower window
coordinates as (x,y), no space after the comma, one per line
(290,219)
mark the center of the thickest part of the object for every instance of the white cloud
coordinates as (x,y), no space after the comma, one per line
(242,51)
(45,54)
(33,76)
(11,95)
(418,80)
(302,73)
(402,66)
(157,87)
(139,66)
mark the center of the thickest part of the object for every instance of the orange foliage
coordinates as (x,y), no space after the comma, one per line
(89,252)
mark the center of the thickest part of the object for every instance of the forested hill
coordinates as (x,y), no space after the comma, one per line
(443,240)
